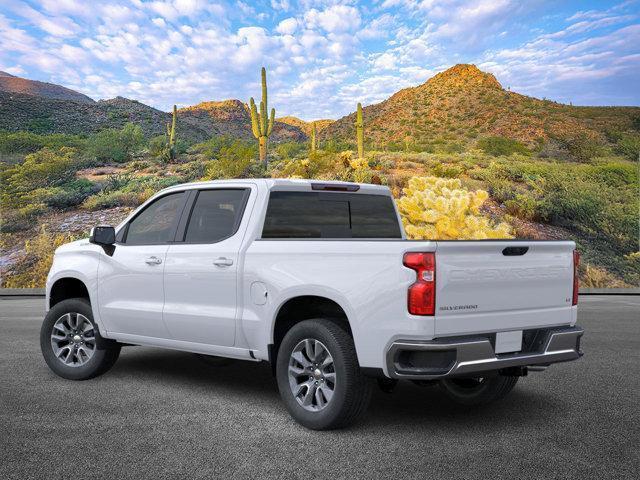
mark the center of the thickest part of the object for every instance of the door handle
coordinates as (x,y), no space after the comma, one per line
(153,261)
(223,262)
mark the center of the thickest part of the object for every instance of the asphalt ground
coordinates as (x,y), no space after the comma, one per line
(165,414)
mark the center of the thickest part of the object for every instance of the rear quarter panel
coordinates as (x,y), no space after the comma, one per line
(366,278)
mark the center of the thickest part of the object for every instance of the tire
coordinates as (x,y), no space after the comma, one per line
(70,355)
(337,366)
(478,390)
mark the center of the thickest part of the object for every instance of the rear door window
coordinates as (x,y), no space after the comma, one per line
(216,215)
(330,215)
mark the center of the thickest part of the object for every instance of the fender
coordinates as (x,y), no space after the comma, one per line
(303,291)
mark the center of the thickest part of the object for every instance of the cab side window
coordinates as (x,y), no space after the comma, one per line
(156,224)
(216,215)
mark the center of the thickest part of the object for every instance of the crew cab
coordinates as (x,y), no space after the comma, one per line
(319,280)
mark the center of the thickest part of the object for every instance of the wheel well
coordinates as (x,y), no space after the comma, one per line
(297,309)
(67,288)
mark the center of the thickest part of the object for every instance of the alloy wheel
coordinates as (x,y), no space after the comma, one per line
(312,375)
(73,339)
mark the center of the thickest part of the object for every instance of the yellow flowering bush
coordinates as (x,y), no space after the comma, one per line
(441,209)
(37,262)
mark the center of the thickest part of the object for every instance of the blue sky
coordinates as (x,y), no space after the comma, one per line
(322,56)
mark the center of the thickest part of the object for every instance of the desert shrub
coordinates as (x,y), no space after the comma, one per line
(498,146)
(582,146)
(116,145)
(216,145)
(40,125)
(191,171)
(116,199)
(157,145)
(319,164)
(523,206)
(447,171)
(67,195)
(596,200)
(232,160)
(437,208)
(629,146)
(116,182)
(23,218)
(289,150)
(43,169)
(594,277)
(39,256)
(28,142)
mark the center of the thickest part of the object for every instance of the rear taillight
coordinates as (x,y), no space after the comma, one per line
(421,298)
(576,282)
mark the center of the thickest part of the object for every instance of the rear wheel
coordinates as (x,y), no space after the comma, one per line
(478,390)
(71,343)
(319,377)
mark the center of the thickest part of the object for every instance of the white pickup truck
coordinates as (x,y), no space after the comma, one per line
(317,279)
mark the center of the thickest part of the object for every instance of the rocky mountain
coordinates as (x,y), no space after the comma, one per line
(232,118)
(19,111)
(16,85)
(47,108)
(305,126)
(464,103)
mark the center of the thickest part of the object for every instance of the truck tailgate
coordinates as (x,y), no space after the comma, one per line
(488,286)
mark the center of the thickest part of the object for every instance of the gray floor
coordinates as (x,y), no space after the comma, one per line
(161,414)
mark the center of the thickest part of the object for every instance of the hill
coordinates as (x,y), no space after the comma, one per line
(45,114)
(305,126)
(232,118)
(464,103)
(16,85)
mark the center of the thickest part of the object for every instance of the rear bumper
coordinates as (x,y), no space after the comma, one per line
(464,356)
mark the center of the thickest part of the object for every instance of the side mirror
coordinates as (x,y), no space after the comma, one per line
(103,235)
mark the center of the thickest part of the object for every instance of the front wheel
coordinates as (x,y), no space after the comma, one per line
(478,390)
(71,343)
(319,377)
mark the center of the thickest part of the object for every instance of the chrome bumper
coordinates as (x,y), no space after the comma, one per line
(463,356)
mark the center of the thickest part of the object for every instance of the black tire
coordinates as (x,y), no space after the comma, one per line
(352,390)
(105,354)
(478,390)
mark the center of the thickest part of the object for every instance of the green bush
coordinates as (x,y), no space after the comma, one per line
(43,169)
(629,146)
(114,199)
(68,195)
(157,145)
(15,220)
(232,160)
(581,146)
(289,150)
(523,206)
(447,171)
(498,146)
(116,145)
(28,142)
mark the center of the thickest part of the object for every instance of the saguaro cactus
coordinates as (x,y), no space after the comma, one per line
(360,132)
(171,135)
(314,138)
(260,124)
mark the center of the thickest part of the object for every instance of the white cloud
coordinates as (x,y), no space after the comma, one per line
(287,26)
(280,5)
(56,26)
(335,19)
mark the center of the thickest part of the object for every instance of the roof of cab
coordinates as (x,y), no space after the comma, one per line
(293,184)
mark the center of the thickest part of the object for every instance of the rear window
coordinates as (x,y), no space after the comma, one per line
(330,215)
